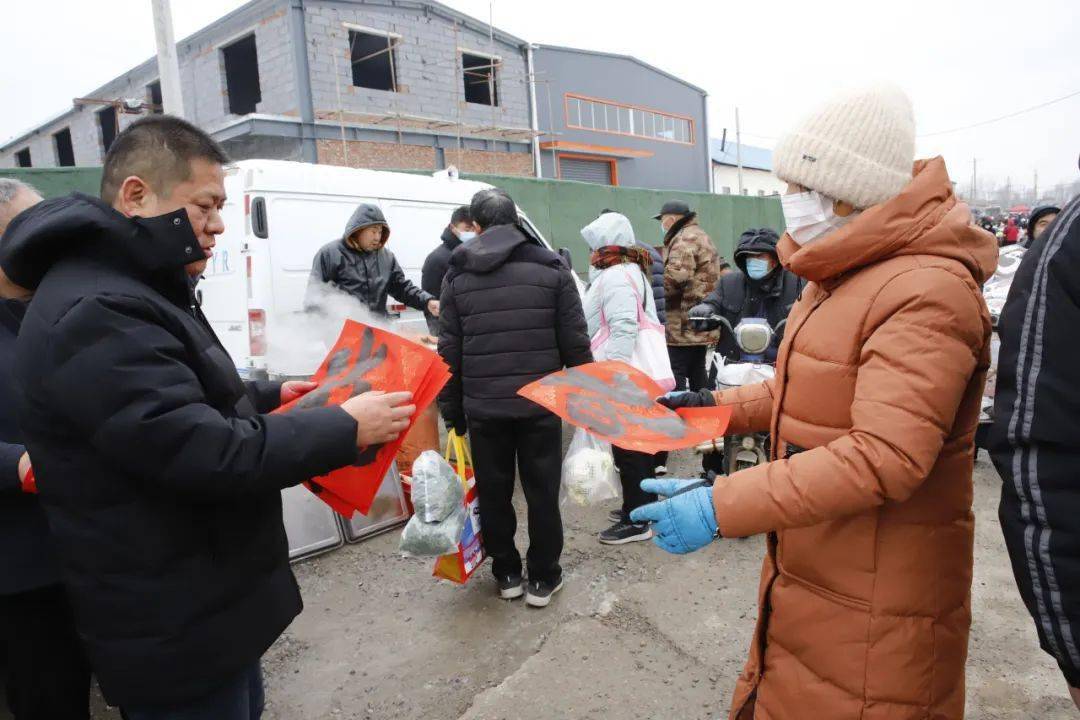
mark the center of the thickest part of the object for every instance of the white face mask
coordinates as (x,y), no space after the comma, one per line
(466,236)
(809,216)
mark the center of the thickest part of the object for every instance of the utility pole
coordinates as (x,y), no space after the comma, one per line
(172,99)
(1035,199)
(974,178)
(738,149)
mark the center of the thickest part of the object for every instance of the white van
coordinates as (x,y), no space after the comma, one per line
(279,214)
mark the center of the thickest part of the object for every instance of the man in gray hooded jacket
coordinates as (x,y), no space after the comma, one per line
(359,264)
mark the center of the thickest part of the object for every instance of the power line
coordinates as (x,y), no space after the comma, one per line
(1003,117)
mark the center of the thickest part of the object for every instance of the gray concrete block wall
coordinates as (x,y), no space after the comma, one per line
(202,81)
(425,62)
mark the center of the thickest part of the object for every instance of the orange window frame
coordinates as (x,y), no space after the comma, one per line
(613,162)
(567,97)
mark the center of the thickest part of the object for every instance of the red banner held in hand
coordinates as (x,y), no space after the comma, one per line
(364,359)
(617,403)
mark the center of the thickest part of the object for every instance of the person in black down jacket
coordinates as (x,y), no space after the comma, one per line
(761,288)
(461,229)
(157,467)
(511,315)
(359,264)
(1035,439)
(47,675)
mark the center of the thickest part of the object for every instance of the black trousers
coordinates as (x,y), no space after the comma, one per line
(633,468)
(240,698)
(688,366)
(48,676)
(535,447)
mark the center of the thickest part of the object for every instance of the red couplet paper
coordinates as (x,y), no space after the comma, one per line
(364,359)
(617,403)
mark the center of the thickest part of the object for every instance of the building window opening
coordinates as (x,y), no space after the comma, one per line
(22,158)
(481,79)
(242,76)
(372,60)
(108,123)
(153,97)
(65,153)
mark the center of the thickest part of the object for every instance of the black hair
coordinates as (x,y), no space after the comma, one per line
(461,215)
(159,149)
(493,207)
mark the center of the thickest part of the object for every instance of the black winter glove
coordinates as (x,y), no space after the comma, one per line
(687,399)
(700,318)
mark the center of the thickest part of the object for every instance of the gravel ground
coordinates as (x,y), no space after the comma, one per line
(635,633)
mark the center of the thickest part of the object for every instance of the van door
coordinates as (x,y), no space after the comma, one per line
(416,229)
(299,226)
(223,288)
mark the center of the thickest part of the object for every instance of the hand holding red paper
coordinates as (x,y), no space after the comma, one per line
(617,403)
(372,374)
(296,389)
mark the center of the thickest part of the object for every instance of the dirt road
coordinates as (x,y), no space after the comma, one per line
(635,634)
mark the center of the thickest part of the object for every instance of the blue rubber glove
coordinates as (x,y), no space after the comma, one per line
(682,523)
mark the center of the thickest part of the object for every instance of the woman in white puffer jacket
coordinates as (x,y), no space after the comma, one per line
(619,282)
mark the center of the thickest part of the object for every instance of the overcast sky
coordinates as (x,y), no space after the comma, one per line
(962,61)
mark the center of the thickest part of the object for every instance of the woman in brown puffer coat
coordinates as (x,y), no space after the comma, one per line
(865,589)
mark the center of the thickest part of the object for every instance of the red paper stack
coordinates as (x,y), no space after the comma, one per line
(616,402)
(364,359)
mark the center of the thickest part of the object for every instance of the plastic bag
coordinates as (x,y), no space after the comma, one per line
(421,539)
(588,471)
(436,488)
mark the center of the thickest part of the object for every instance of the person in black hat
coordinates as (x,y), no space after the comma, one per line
(1040,219)
(691,269)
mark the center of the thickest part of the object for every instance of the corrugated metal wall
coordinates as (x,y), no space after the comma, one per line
(559,208)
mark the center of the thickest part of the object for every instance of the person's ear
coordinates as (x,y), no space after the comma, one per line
(135,198)
(843,209)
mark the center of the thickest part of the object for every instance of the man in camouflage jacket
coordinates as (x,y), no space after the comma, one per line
(692,268)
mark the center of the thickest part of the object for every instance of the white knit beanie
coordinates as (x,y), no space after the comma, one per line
(859,147)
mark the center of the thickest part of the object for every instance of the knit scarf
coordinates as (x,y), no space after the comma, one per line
(609,255)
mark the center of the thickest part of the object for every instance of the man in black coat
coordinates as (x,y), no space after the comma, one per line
(158,468)
(1035,439)
(360,265)
(760,288)
(461,229)
(511,314)
(46,674)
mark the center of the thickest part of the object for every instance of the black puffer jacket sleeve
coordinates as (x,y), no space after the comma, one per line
(265,395)
(572,332)
(404,291)
(10,453)
(451,400)
(148,413)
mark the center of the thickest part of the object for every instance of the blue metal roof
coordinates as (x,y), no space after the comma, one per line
(756,158)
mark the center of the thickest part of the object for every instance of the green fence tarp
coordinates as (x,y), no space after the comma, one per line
(558,208)
(53,182)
